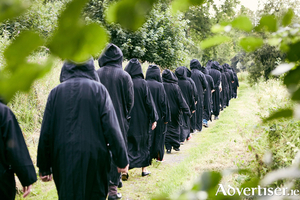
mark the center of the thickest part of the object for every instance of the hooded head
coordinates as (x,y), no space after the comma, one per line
(204,70)
(153,73)
(215,65)
(195,64)
(134,68)
(188,72)
(77,70)
(180,72)
(209,63)
(112,56)
(169,77)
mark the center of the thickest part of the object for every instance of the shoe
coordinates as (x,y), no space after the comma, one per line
(176,149)
(188,138)
(145,173)
(205,125)
(160,160)
(120,184)
(168,151)
(216,117)
(116,196)
(125,176)
(181,143)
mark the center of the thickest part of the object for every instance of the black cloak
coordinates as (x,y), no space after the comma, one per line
(14,155)
(177,107)
(235,84)
(201,83)
(159,96)
(79,121)
(120,88)
(207,95)
(230,79)
(215,73)
(224,94)
(142,115)
(195,93)
(187,93)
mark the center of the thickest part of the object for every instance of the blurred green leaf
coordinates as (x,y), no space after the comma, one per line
(213,41)
(282,68)
(250,147)
(183,5)
(283,113)
(274,41)
(11,8)
(293,53)
(287,18)
(16,53)
(22,78)
(252,183)
(292,78)
(296,95)
(242,23)
(268,22)
(130,14)
(251,43)
(73,40)
(209,180)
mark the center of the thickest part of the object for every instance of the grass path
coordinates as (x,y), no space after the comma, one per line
(221,146)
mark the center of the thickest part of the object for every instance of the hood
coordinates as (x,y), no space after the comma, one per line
(74,70)
(208,64)
(215,65)
(204,70)
(180,72)
(195,64)
(169,77)
(112,56)
(134,68)
(188,72)
(153,73)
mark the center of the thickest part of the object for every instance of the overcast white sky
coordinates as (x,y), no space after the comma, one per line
(252,4)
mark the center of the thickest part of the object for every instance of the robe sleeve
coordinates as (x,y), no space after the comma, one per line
(164,105)
(43,154)
(195,90)
(218,81)
(129,98)
(191,98)
(112,131)
(203,81)
(182,103)
(150,106)
(212,83)
(16,150)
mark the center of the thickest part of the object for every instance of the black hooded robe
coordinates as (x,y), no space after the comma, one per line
(159,96)
(235,85)
(224,93)
(142,115)
(207,95)
(79,122)
(187,91)
(230,79)
(177,106)
(14,155)
(201,83)
(195,93)
(120,88)
(215,73)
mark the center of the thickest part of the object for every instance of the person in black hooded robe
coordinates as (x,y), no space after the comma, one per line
(159,96)
(187,91)
(215,73)
(143,113)
(225,88)
(207,97)
(177,106)
(230,80)
(235,84)
(195,94)
(78,124)
(14,156)
(201,83)
(120,88)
